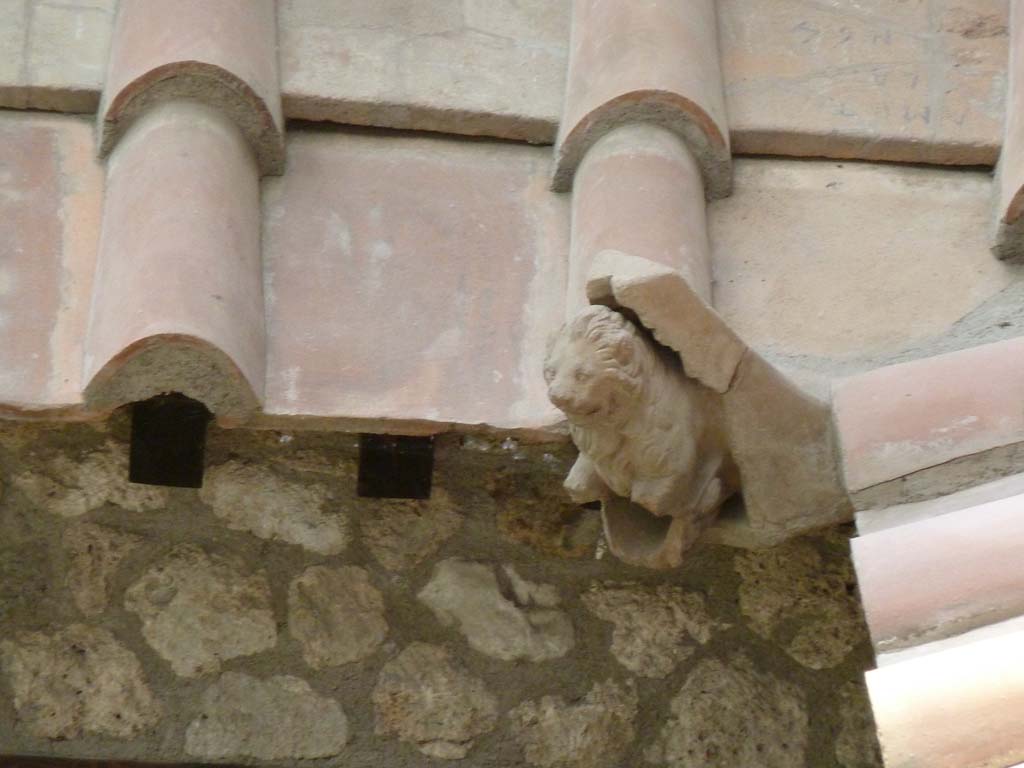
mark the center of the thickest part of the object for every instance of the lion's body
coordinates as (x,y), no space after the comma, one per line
(645,430)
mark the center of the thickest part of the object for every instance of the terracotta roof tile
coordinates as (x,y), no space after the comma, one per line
(901,419)
(53,53)
(475,67)
(645,61)
(50,204)
(178,303)
(917,82)
(873,520)
(407,283)
(956,708)
(412,278)
(941,576)
(944,601)
(222,53)
(639,190)
(800,78)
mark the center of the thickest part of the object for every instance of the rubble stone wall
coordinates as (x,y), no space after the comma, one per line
(275,616)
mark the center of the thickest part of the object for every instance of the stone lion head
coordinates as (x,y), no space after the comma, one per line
(593,367)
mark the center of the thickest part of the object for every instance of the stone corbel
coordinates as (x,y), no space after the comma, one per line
(673,414)
(652,441)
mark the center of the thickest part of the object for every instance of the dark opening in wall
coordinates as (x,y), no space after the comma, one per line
(395,466)
(168,441)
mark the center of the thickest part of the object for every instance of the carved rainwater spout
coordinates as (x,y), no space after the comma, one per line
(652,441)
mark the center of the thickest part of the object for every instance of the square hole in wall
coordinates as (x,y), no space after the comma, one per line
(395,466)
(168,443)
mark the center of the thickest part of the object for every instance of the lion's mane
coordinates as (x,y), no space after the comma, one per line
(648,437)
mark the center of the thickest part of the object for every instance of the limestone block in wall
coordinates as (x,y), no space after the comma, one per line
(401,533)
(802,599)
(731,713)
(428,699)
(94,553)
(279,718)
(654,629)
(593,732)
(524,626)
(336,615)
(269,505)
(79,680)
(74,487)
(199,610)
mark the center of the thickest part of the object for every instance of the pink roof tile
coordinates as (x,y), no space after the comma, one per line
(944,575)
(50,201)
(645,61)
(412,279)
(178,303)
(956,708)
(223,53)
(919,82)
(901,419)
(640,191)
(924,84)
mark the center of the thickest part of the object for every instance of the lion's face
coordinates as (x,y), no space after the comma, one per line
(587,374)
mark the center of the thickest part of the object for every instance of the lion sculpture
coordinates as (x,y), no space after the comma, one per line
(645,431)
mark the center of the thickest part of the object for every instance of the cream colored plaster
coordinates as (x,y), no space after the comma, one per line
(845,260)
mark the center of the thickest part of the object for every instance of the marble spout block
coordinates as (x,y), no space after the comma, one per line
(178,297)
(645,61)
(221,53)
(652,440)
(781,439)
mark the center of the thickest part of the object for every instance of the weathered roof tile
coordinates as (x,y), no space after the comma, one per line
(178,303)
(645,61)
(412,278)
(222,53)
